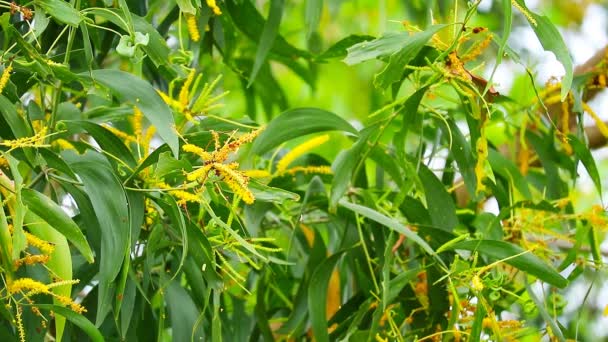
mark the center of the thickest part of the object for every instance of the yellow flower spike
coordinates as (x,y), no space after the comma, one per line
(198,151)
(171,102)
(322,170)
(37,140)
(598,121)
(184,93)
(145,142)
(257,173)
(44,246)
(299,151)
(524,12)
(63,144)
(236,182)
(20,324)
(199,174)
(137,121)
(6,74)
(120,134)
(30,284)
(31,259)
(184,196)
(479,49)
(195,35)
(216,10)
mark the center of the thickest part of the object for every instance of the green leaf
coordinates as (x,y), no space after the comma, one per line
(110,205)
(61,10)
(524,261)
(317,296)
(52,213)
(410,47)
(312,16)
(295,123)
(582,152)
(339,49)
(557,332)
(13,119)
(509,171)
(137,92)
(186,6)
(76,319)
(249,21)
(344,166)
(183,314)
(439,202)
(267,193)
(107,141)
(392,224)
(271,29)
(551,40)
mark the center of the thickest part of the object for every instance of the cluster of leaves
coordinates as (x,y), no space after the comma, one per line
(131,210)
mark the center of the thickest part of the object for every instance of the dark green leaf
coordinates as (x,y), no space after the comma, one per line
(271,29)
(295,123)
(76,319)
(61,10)
(440,204)
(582,152)
(52,213)
(317,296)
(516,257)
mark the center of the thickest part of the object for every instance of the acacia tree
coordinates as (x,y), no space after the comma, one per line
(136,207)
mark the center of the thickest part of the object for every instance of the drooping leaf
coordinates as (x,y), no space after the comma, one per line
(440,204)
(61,10)
(317,296)
(50,212)
(109,202)
(271,29)
(515,256)
(582,152)
(295,123)
(79,320)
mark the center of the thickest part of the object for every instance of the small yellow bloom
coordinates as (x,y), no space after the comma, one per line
(524,12)
(197,150)
(185,91)
(216,10)
(137,121)
(63,144)
(476,283)
(482,157)
(299,151)
(44,246)
(31,259)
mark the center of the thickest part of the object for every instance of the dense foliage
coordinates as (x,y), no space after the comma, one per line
(163,175)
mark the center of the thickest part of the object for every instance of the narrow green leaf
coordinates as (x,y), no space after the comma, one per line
(182,313)
(110,205)
(392,224)
(50,212)
(312,16)
(410,47)
(61,10)
(271,29)
(439,202)
(295,123)
(317,296)
(107,141)
(78,320)
(551,40)
(526,262)
(509,171)
(339,49)
(582,152)
(344,166)
(267,193)
(137,92)
(557,332)
(13,119)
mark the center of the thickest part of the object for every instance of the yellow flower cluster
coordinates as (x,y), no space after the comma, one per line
(31,259)
(32,286)
(37,140)
(236,180)
(44,246)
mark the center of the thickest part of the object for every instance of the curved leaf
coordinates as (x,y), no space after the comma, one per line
(526,262)
(317,296)
(297,122)
(76,319)
(50,212)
